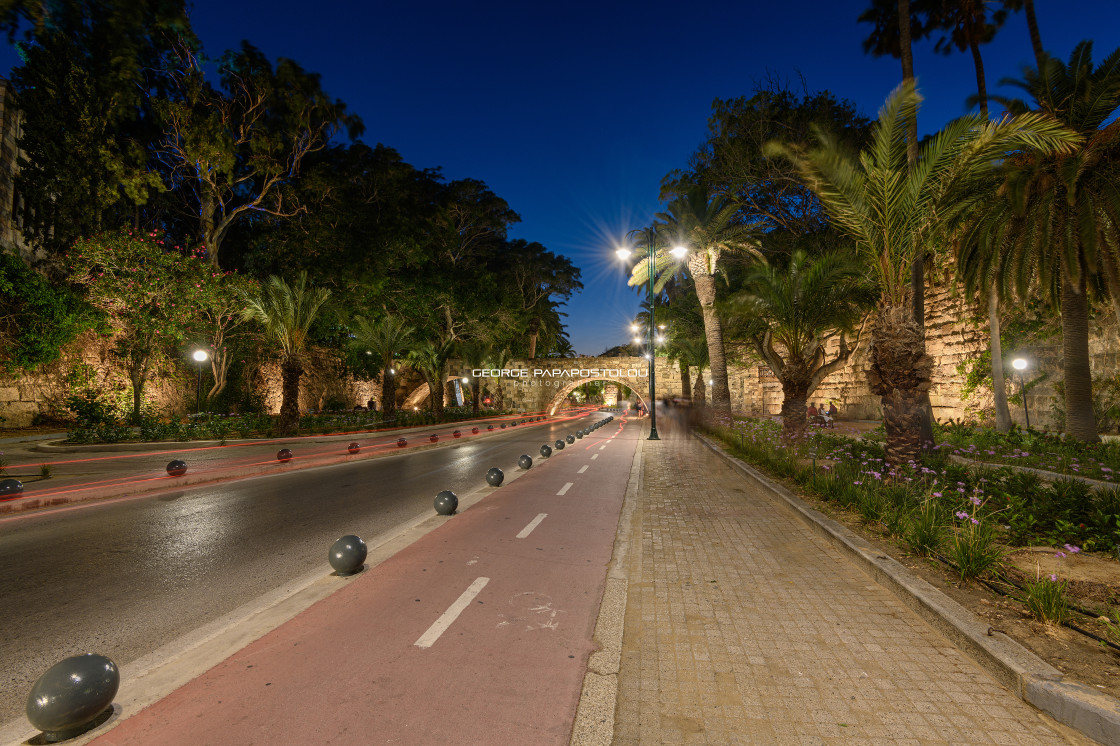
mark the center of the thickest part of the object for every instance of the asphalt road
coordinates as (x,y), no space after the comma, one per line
(124,577)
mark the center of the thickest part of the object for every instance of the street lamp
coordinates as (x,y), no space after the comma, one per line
(200,357)
(1020,365)
(624,253)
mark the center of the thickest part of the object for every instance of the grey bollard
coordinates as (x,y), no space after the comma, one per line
(525,462)
(559,445)
(546,451)
(347,554)
(401,442)
(503,426)
(579,434)
(489,427)
(474,431)
(495,477)
(434,438)
(284,455)
(571,439)
(456,434)
(353,448)
(446,502)
(177,468)
(67,700)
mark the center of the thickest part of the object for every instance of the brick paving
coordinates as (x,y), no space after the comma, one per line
(744,627)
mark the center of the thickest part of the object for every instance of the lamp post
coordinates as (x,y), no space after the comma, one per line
(624,253)
(200,357)
(1020,365)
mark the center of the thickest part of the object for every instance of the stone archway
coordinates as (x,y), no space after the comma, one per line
(562,394)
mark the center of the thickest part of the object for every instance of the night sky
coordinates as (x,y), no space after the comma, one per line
(573,112)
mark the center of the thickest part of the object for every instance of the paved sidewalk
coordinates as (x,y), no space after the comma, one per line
(743,626)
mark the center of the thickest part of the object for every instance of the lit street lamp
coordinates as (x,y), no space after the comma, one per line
(200,357)
(1020,365)
(624,254)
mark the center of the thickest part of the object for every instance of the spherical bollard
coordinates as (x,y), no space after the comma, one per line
(579,434)
(401,442)
(67,699)
(513,424)
(474,431)
(177,468)
(546,451)
(446,502)
(456,434)
(571,439)
(353,448)
(503,426)
(347,554)
(495,477)
(284,455)
(489,427)
(559,445)
(434,438)
(525,462)
(10,488)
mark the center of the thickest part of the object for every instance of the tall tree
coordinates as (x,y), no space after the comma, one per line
(892,211)
(84,92)
(387,339)
(542,281)
(1056,216)
(796,310)
(287,311)
(897,24)
(965,25)
(705,226)
(431,359)
(233,149)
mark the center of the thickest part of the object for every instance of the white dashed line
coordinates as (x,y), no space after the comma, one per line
(532,524)
(602,446)
(582,469)
(428,638)
(595,456)
(567,486)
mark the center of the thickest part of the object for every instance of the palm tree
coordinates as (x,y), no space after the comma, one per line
(795,310)
(430,359)
(286,312)
(893,211)
(474,354)
(1055,220)
(386,339)
(706,226)
(692,352)
(970,23)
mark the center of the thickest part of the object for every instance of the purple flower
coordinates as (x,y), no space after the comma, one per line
(1072,549)
(1053,578)
(974,500)
(937,494)
(1060,555)
(961,514)
(974,521)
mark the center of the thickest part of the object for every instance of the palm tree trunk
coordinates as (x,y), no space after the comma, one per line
(981,83)
(999,386)
(388,395)
(534,333)
(476,395)
(1032,26)
(290,372)
(1081,422)
(700,388)
(794,410)
(900,375)
(713,331)
(436,387)
(686,381)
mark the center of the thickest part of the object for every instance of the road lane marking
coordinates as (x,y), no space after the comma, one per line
(567,486)
(582,469)
(532,524)
(602,446)
(595,456)
(428,638)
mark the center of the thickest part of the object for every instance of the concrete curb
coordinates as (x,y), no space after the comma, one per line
(594,722)
(160,483)
(1036,682)
(1050,476)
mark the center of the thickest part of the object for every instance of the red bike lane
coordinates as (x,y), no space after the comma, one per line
(478,633)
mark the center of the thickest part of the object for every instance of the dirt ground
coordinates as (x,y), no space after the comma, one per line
(1094,585)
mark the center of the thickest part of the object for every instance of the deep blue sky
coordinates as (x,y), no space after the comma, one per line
(574,111)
